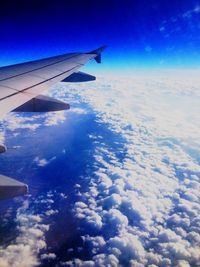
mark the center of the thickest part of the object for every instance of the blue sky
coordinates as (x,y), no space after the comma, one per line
(139,33)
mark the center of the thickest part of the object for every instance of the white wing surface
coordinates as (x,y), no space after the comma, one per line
(20,89)
(22,82)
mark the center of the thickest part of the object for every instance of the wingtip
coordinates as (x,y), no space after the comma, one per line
(98,50)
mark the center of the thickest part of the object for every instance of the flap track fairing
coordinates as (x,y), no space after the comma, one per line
(78,77)
(42,103)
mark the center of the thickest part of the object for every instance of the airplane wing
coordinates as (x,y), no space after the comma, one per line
(21,86)
(22,82)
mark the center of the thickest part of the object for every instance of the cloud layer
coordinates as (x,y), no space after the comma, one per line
(140,203)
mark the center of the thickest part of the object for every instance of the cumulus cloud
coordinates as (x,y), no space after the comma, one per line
(49,256)
(29,121)
(29,247)
(15,121)
(30,241)
(54,118)
(40,162)
(78,110)
(142,204)
(43,162)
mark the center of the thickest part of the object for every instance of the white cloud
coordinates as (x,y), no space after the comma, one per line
(43,162)
(51,212)
(128,245)
(31,239)
(15,121)
(54,118)
(90,217)
(141,206)
(29,248)
(115,220)
(144,194)
(78,110)
(40,162)
(49,256)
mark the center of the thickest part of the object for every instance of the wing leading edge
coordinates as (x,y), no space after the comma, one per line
(20,89)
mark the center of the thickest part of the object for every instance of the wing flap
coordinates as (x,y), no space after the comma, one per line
(78,77)
(42,103)
(17,98)
(11,188)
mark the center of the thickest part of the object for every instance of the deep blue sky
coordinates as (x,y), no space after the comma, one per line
(139,33)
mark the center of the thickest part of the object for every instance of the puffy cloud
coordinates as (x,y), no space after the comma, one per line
(40,162)
(49,256)
(114,200)
(29,247)
(146,183)
(78,110)
(141,204)
(16,121)
(128,245)
(106,260)
(23,252)
(115,220)
(88,216)
(43,162)
(54,118)
(51,212)
(100,260)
